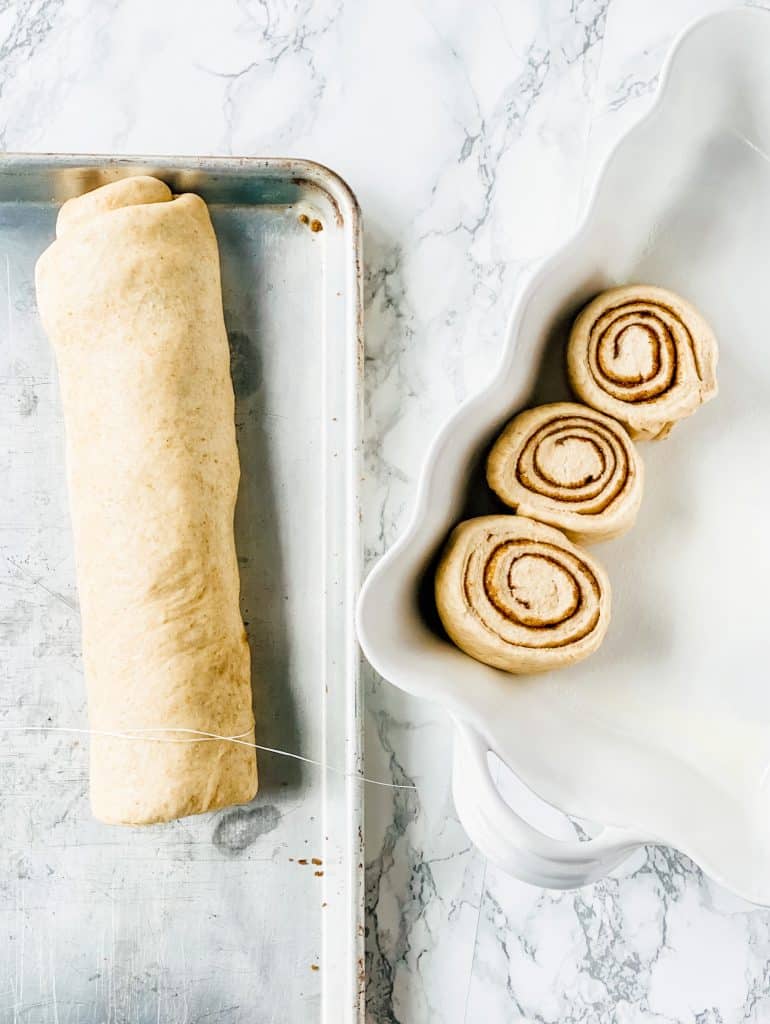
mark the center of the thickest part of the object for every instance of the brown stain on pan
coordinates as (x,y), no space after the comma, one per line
(308,185)
(315,224)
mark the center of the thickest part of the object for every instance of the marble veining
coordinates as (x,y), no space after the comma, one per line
(472,135)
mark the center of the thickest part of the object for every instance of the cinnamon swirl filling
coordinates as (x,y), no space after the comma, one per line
(570,466)
(517,595)
(644,356)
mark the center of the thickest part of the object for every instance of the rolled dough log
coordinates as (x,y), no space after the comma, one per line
(130,297)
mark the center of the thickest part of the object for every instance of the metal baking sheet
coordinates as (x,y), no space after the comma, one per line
(250,914)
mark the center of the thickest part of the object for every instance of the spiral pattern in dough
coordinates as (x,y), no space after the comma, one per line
(570,466)
(644,356)
(517,595)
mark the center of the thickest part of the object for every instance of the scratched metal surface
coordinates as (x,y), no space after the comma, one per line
(215,918)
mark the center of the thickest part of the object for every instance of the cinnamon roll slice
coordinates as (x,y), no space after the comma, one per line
(643,355)
(570,466)
(517,595)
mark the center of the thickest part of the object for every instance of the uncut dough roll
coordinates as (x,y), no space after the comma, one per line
(644,356)
(129,294)
(519,596)
(571,467)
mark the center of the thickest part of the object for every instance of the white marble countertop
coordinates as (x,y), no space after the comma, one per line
(471,134)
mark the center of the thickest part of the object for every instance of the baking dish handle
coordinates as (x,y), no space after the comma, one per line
(512,843)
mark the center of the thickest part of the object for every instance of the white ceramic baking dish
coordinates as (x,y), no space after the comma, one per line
(664,735)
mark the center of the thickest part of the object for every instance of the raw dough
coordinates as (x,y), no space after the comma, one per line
(519,596)
(569,466)
(130,297)
(644,356)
